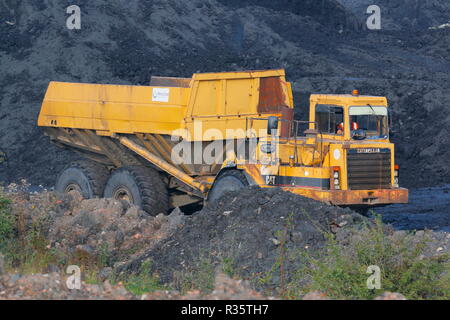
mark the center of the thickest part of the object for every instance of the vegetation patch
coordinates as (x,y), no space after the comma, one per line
(403,259)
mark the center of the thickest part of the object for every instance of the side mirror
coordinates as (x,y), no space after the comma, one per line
(390,118)
(272,124)
(391,132)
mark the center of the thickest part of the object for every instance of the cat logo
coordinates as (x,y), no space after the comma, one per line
(270,180)
(373,150)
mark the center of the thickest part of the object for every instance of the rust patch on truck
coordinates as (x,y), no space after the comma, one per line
(271,96)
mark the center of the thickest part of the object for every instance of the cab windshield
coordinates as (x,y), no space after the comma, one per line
(368,122)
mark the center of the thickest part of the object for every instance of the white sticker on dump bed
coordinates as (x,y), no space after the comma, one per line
(161,94)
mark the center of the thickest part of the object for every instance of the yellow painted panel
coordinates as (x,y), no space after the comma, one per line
(233,127)
(114,108)
(239,74)
(239,97)
(347,99)
(304,172)
(289,94)
(207,98)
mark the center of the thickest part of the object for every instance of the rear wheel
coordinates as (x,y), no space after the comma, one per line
(228,181)
(86,177)
(140,186)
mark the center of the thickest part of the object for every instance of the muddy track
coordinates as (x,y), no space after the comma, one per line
(428,208)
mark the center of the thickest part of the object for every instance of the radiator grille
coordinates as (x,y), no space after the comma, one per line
(369,169)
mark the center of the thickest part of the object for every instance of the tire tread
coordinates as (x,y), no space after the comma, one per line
(152,190)
(96,173)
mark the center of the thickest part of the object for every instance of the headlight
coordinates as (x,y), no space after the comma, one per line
(336,182)
(396,175)
(267,148)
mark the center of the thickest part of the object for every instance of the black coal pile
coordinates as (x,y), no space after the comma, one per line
(404,14)
(323,45)
(247,230)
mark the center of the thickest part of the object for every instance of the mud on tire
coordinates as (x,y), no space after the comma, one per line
(227,181)
(141,186)
(87,177)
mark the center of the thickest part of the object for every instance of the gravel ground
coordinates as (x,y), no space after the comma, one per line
(247,229)
(244,230)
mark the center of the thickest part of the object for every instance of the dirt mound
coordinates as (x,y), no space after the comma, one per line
(225,288)
(107,226)
(95,229)
(53,287)
(246,231)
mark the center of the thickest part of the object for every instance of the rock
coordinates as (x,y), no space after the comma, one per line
(86,249)
(52,268)
(53,287)
(77,197)
(105,273)
(315,295)
(275,241)
(391,296)
(225,288)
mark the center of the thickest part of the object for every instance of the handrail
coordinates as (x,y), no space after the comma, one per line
(293,134)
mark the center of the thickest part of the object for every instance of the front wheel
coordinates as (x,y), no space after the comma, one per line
(141,186)
(228,181)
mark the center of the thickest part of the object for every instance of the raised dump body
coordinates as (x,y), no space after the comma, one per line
(180,141)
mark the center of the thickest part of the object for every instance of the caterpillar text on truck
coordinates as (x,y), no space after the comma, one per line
(182,141)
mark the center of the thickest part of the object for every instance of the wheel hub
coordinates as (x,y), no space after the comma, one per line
(123,194)
(72,187)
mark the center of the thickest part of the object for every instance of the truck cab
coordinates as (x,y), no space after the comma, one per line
(343,154)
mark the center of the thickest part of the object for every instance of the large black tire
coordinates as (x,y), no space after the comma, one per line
(227,181)
(140,186)
(87,177)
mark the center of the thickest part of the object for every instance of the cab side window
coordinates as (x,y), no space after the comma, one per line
(329,118)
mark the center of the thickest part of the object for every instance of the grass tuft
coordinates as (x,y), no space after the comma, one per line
(341,271)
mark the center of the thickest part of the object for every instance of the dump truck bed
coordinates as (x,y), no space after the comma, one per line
(219,100)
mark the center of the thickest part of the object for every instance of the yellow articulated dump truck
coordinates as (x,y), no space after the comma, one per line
(183,141)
